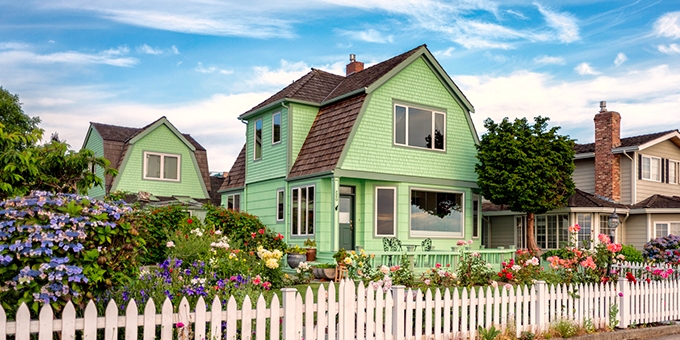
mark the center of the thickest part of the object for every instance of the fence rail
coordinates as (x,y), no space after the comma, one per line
(363,312)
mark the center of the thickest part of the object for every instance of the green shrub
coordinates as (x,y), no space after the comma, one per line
(156,224)
(61,247)
(632,254)
(245,231)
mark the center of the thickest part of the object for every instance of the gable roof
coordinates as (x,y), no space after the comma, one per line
(657,201)
(582,199)
(628,142)
(117,139)
(237,174)
(322,88)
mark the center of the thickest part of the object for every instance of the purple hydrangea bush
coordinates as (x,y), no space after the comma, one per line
(56,248)
(665,249)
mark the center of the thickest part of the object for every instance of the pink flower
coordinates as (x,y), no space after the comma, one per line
(427,282)
(438,265)
(253,235)
(179,325)
(575,228)
(620,294)
(461,243)
(589,263)
(614,247)
(257,280)
(604,238)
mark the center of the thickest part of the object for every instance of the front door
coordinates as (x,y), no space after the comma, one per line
(346,221)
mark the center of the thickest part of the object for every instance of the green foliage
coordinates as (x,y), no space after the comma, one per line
(245,231)
(63,247)
(156,224)
(488,334)
(588,325)
(473,270)
(325,265)
(613,316)
(631,254)
(402,275)
(309,243)
(439,276)
(527,336)
(52,167)
(192,241)
(525,166)
(565,328)
(296,250)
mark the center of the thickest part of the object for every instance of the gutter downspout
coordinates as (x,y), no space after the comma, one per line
(633,184)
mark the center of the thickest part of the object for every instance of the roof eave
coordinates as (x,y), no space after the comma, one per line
(272,105)
(584,155)
(670,135)
(346,95)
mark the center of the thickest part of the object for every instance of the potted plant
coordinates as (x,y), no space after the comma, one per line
(311,249)
(324,271)
(296,254)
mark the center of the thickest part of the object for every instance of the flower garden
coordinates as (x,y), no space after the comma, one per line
(61,248)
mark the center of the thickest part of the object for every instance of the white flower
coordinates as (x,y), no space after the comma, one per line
(494,284)
(218,232)
(442,273)
(384,269)
(197,232)
(489,266)
(170,244)
(515,267)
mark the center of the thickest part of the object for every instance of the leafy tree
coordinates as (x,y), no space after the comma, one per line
(526,167)
(25,165)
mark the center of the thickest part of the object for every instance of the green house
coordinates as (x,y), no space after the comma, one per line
(156,159)
(380,153)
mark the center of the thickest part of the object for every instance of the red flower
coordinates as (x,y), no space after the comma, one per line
(630,277)
(261,231)
(190,221)
(500,274)
(508,276)
(252,235)
(648,280)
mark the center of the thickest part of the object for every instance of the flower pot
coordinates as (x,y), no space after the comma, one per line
(295,259)
(311,254)
(318,273)
(329,273)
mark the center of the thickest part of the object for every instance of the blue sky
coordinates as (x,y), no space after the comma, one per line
(202,63)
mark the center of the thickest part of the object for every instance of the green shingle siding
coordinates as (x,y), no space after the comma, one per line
(302,118)
(96,144)
(161,140)
(273,161)
(372,147)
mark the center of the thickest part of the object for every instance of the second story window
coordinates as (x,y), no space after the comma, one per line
(673,172)
(161,166)
(276,128)
(651,168)
(258,139)
(416,127)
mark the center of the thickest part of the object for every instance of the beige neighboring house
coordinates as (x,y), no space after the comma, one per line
(638,177)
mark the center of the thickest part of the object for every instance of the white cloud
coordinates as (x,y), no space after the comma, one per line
(369,35)
(174,49)
(499,58)
(668,25)
(517,14)
(669,49)
(212,69)
(283,76)
(544,59)
(572,104)
(13,46)
(585,69)
(21,54)
(564,23)
(146,49)
(620,59)
(444,53)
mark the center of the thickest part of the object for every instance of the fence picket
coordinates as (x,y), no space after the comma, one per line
(370,312)
(68,322)
(389,317)
(361,311)
(183,318)
(23,323)
(332,310)
(418,312)
(230,332)
(429,306)
(379,308)
(275,317)
(437,314)
(111,327)
(200,319)
(46,317)
(447,311)
(131,314)
(309,314)
(246,319)
(261,321)
(455,318)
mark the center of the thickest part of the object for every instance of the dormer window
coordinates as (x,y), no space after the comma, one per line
(415,127)
(161,166)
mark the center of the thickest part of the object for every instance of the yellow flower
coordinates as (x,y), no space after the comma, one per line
(348,260)
(372,255)
(353,252)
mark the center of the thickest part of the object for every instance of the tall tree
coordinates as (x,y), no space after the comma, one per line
(526,167)
(25,165)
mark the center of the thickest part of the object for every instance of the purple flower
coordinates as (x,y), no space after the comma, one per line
(620,294)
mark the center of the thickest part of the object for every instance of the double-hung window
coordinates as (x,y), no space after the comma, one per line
(584,234)
(436,213)
(666,228)
(551,230)
(420,128)
(257,152)
(234,202)
(276,128)
(385,211)
(161,166)
(280,200)
(651,168)
(302,211)
(673,172)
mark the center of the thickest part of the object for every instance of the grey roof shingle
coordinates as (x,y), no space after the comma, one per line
(625,142)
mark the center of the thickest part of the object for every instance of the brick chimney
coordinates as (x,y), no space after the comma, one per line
(354,66)
(607,165)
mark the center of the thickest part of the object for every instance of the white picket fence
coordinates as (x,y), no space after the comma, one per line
(640,269)
(363,313)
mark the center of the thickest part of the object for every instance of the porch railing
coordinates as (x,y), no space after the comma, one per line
(423,260)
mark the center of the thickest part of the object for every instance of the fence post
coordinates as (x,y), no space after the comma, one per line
(541,304)
(289,322)
(624,302)
(398,309)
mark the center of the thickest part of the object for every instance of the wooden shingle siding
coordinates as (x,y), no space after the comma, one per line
(237,175)
(273,161)
(646,188)
(584,174)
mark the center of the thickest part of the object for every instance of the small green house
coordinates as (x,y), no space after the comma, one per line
(380,153)
(156,159)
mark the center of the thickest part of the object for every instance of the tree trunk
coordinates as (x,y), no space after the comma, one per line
(531,240)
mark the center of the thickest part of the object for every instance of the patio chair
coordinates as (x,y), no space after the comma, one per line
(426,245)
(391,244)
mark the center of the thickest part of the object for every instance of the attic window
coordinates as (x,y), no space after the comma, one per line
(160,166)
(415,127)
(276,128)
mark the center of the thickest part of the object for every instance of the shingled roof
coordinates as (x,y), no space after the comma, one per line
(657,201)
(625,142)
(237,175)
(116,140)
(582,199)
(319,86)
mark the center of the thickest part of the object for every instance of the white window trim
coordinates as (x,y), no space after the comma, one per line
(280,128)
(394,127)
(479,215)
(650,169)
(279,202)
(163,155)
(677,171)
(255,139)
(664,222)
(434,234)
(375,212)
(299,217)
(234,198)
